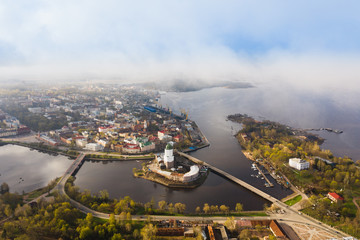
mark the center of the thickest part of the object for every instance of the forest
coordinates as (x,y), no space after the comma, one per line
(276,143)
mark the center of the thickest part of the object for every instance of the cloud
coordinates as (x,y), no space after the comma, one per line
(308,44)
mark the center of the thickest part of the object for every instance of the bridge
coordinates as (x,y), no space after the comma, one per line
(232,178)
(71,171)
(291,213)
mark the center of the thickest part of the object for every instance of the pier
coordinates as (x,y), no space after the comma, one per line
(266,179)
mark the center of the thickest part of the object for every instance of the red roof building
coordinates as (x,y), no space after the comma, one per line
(131,148)
(335,197)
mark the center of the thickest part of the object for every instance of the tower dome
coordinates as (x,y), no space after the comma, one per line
(169,146)
(169,156)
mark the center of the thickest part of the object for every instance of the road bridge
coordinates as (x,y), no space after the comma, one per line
(290,213)
(231,177)
(71,171)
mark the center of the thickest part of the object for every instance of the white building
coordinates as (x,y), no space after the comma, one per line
(298,163)
(102,142)
(94,147)
(192,174)
(147,146)
(161,134)
(81,142)
(166,138)
(169,156)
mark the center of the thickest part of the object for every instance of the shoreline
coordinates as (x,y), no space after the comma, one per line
(172,184)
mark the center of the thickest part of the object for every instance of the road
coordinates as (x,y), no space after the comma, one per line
(61,184)
(290,214)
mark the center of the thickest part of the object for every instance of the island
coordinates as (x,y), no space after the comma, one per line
(173,170)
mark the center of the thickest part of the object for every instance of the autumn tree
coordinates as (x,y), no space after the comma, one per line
(239,207)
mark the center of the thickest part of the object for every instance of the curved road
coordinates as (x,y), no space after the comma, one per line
(289,215)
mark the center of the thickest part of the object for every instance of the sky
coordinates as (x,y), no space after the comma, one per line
(303,43)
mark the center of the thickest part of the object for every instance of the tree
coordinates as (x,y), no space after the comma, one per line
(198,233)
(104,195)
(244,234)
(4,188)
(180,207)
(85,233)
(128,227)
(214,208)
(111,219)
(198,210)
(230,223)
(136,234)
(116,236)
(89,219)
(8,211)
(224,209)
(128,216)
(238,207)
(148,232)
(333,185)
(206,208)
(272,237)
(162,205)
(171,208)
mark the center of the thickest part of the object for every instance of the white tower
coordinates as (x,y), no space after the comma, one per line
(169,156)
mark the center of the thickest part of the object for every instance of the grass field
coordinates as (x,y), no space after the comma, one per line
(294,200)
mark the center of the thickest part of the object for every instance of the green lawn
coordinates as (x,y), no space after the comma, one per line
(294,200)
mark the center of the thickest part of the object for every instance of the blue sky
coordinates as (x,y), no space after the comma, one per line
(138,40)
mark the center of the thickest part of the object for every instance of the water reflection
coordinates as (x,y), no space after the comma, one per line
(26,170)
(118,180)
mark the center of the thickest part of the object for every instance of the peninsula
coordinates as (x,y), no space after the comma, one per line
(292,155)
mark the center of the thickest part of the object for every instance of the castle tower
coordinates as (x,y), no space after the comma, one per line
(169,156)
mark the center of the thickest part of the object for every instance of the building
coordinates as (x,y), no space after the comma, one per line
(161,134)
(335,197)
(94,147)
(8,132)
(192,174)
(277,230)
(131,148)
(169,156)
(147,146)
(81,142)
(47,140)
(298,163)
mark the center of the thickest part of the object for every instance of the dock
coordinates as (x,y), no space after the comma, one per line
(232,178)
(266,179)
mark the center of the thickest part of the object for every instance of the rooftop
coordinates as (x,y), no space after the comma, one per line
(169,146)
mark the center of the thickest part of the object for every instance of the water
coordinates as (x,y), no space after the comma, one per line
(209,108)
(26,170)
(117,178)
